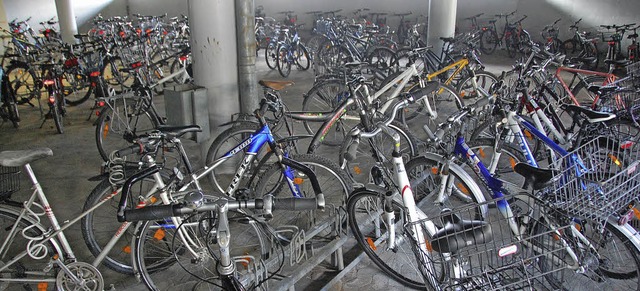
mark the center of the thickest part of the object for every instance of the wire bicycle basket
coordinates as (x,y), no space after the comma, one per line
(469,254)
(598,179)
(9,181)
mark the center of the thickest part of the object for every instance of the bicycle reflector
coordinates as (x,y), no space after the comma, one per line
(48,82)
(184,58)
(136,65)
(94,74)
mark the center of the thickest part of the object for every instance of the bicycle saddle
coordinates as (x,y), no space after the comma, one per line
(458,233)
(447,39)
(22,157)
(275,85)
(178,131)
(534,178)
(617,62)
(602,89)
(592,116)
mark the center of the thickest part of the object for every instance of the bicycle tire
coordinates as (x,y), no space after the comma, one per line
(10,105)
(326,97)
(271,55)
(364,208)
(488,41)
(24,81)
(617,268)
(156,252)
(359,169)
(283,61)
(303,59)
(99,226)
(225,142)
(57,113)
(113,75)
(484,80)
(382,58)
(118,129)
(74,85)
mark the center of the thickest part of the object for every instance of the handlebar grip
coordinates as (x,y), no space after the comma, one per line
(481,103)
(428,88)
(351,153)
(153,212)
(133,149)
(295,204)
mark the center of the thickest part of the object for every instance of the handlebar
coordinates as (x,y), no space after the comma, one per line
(266,204)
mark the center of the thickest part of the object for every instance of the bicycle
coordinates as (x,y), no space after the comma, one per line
(290,52)
(512,34)
(452,188)
(581,48)
(30,244)
(550,34)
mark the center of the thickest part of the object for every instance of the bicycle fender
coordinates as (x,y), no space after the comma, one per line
(629,232)
(464,176)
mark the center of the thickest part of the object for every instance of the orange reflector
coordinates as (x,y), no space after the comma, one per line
(434,170)
(126,249)
(371,244)
(512,162)
(556,237)
(56,256)
(427,244)
(105,131)
(153,199)
(298,181)
(636,213)
(578,227)
(528,134)
(614,159)
(247,262)
(462,94)
(43,286)
(463,189)
(357,170)
(159,234)
(482,153)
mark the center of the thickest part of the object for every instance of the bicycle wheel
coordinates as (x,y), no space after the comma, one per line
(24,82)
(271,55)
(165,263)
(314,44)
(382,146)
(222,175)
(365,209)
(444,102)
(283,61)
(303,60)
(382,58)
(121,122)
(10,105)
(113,74)
(615,265)
(98,227)
(8,218)
(77,88)
(57,112)
(468,91)
(324,98)
(488,41)
(334,183)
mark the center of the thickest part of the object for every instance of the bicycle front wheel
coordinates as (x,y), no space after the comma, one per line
(165,263)
(121,122)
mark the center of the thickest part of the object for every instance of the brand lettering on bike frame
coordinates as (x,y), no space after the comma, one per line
(330,124)
(256,141)
(238,176)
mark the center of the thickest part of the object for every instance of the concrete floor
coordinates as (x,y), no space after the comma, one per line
(64,177)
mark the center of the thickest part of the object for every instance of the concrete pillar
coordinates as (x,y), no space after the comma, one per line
(67,20)
(247,79)
(213,48)
(442,22)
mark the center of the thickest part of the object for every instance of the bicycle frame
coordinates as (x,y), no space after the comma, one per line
(609,78)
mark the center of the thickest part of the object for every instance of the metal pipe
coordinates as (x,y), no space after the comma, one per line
(246,46)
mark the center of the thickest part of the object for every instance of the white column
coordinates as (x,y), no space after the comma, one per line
(213,47)
(67,20)
(442,22)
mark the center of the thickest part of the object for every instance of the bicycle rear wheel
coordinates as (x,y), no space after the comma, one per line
(122,121)
(24,82)
(283,62)
(57,112)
